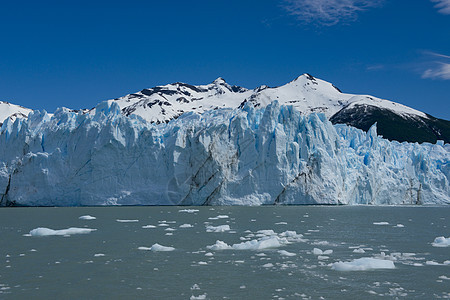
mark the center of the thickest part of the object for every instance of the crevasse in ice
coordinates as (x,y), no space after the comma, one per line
(248,156)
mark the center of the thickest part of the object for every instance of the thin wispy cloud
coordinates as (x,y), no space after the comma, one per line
(438,68)
(443,6)
(328,12)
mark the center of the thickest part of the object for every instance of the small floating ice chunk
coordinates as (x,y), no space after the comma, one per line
(186,226)
(219,217)
(363,264)
(281,223)
(444,277)
(359,250)
(380,223)
(199,297)
(219,245)
(322,257)
(157,248)
(317,251)
(190,211)
(221,228)
(202,263)
(286,253)
(42,231)
(268,265)
(265,243)
(87,217)
(209,254)
(99,255)
(126,221)
(148,226)
(441,241)
(399,226)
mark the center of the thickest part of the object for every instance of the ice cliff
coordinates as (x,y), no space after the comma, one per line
(248,156)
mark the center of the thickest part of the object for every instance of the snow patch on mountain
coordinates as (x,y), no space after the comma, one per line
(12,111)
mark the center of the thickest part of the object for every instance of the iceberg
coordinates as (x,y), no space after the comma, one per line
(243,156)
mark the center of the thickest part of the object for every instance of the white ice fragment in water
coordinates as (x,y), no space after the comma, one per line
(380,223)
(87,217)
(99,255)
(219,245)
(322,257)
(148,226)
(281,223)
(163,225)
(202,263)
(399,226)
(317,251)
(268,265)
(221,228)
(441,241)
(42,231)
(190,211)
(209,254)
(157,248)
(359,250)
(186,226)
(126,221)
(265,243)
(328,252)
(219,217)
(444,277)
(195,287)
(199,297)
(286,253)
(363,264)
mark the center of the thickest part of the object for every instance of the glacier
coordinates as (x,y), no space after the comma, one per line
(243,156)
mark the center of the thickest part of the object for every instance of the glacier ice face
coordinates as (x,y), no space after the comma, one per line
(248,156)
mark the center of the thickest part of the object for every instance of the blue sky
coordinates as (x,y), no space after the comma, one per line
(78,53)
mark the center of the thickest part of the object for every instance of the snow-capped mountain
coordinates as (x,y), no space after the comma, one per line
(12,111)
(306,93)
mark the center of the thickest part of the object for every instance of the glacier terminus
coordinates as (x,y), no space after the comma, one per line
(247,154)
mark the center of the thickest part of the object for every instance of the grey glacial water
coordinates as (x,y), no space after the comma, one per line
(108,264)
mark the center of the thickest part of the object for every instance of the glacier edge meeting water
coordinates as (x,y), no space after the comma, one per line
(248,156)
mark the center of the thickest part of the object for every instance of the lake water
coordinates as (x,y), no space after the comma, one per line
(116,260)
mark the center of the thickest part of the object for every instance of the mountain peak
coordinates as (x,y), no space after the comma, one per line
(219,80)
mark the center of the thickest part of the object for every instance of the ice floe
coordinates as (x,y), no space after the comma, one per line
(157,248)
(218,217)
(441,241)
(42,231)
(363,264)
(221,228)
(148,226)
(190,211)
(286,253)
(87,217)
(126,221)
(380,223)
(186,226)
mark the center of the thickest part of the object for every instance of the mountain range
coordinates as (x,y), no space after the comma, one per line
(306,94)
